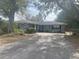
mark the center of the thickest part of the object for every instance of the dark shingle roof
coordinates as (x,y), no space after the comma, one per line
(51,23)
(43,23)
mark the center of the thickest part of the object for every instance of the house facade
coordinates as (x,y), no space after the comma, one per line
(43,26)
(50,28)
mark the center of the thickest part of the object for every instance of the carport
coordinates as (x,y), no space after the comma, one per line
(50,27)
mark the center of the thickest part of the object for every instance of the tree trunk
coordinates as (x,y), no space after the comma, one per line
(11,22)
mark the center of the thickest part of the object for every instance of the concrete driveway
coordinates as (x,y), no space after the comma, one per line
(40,46)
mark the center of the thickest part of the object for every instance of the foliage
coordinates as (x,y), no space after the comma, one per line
(3,27)
(46,6)
(29,31)
(18,30)
(69,17)
(8,8)
(69,14)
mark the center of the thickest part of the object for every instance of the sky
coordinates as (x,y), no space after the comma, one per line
(33,11)
(51,17)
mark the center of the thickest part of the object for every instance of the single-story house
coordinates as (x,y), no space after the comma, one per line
(42,26)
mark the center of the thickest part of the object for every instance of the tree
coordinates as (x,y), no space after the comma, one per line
(69,14)
(65,5)
(8,8)
(71,19)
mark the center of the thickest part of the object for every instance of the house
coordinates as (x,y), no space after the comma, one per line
(43,26)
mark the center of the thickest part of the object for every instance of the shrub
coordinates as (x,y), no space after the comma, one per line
(1,32)
(29,31)
(17,30)
(3,27)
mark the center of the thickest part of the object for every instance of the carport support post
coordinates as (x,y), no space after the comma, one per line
(35,27)
(62,28)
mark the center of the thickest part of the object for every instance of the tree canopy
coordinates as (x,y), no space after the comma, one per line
(8,8)
(46,6)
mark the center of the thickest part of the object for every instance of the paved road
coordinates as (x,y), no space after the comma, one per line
(40,46)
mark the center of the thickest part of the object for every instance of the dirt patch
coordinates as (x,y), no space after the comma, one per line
(9,38)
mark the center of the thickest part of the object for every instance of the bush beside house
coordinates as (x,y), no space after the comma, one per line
(3,27)
(17,30)
(29,31)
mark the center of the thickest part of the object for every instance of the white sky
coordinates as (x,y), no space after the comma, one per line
(34,11)
(51,17)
